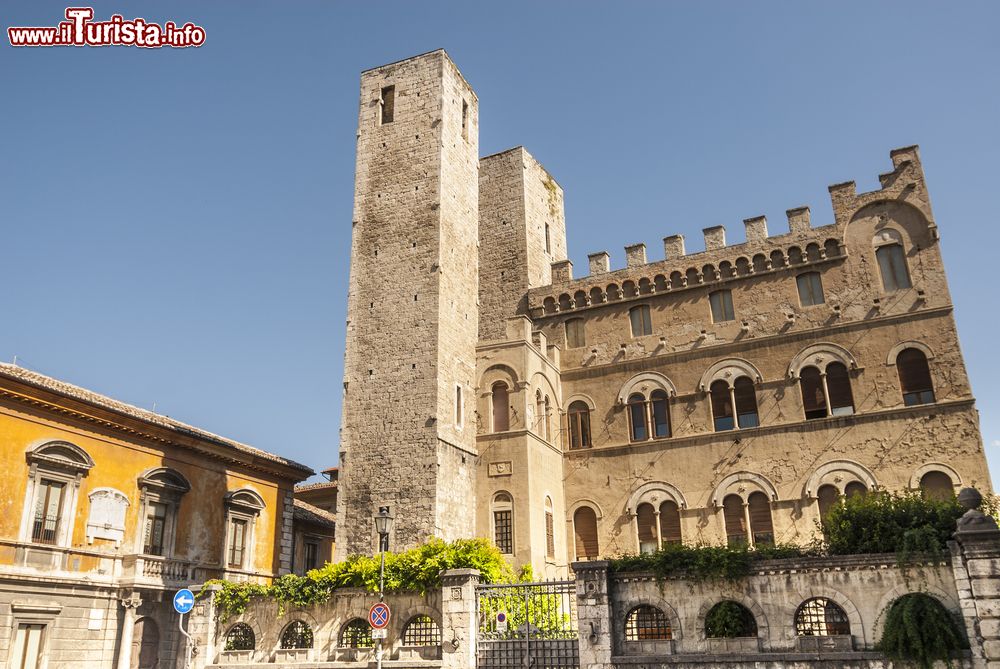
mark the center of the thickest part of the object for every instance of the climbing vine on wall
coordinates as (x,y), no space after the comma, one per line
(415,570)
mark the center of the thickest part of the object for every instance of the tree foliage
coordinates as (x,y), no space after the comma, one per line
(705,562)
(729,620)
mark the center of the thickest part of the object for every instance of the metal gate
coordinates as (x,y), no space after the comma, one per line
(528,626)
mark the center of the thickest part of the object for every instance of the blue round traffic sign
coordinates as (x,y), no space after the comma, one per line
(378,616)
(183,601)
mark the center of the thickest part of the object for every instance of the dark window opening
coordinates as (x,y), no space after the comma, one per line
(746,403)
(637,417)
(579,425)
(810,289)
(813,396)
(47,512)
(641,323)
(387,104)
(892,266)
(722,306)
(661,414)
(722,407)
(914,377)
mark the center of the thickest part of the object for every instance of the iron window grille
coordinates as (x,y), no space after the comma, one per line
(646,623)
(422,631)
(297,635)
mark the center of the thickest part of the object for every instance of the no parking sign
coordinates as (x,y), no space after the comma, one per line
(501,621)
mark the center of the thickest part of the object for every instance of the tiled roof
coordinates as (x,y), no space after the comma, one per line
(312,514)
(315,486)
(75,392)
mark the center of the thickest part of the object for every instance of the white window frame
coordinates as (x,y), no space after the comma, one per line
(156,489)
(58,461)
(244,504)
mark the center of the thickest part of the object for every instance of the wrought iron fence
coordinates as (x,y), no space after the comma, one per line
(524,625)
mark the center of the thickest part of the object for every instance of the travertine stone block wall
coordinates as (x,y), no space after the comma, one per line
(409,350)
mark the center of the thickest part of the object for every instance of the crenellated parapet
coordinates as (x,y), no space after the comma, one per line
(803,245)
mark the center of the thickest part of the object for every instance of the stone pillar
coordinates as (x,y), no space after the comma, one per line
(976,564)
(600,263)
(635,255)
(201,626)
(130,604)
(459,622)
(593,610)
(798,220)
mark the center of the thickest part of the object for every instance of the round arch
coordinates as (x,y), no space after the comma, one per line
(245,497)
(547,387)
(729,370)
(498,372)
(856,470)
(676,632)
(820,355)
(900,590)
(580,503)
(580,397)
(62,455)
(756,480)
(919,472)
(645,383)
(841,600)
(655,493)
(760,618)
(902,346)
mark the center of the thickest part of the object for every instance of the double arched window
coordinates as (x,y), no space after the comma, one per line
(647,623)
(914,377)
(648,418)
(826,393)
(734,406)
(543,408)
(828,495)
(820,616)
(578,417)
(748,522)
(657,525)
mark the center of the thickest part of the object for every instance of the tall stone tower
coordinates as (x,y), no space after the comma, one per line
(408,427)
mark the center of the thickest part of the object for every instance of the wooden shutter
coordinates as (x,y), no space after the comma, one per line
(585,529)
(670,523)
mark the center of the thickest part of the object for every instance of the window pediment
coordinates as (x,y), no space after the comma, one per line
(245,500)
(61,455)
(165,480)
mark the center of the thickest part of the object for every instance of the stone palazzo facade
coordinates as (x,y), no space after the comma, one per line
(730,394)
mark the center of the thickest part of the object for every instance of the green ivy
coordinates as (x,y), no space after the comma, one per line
(703,562)
(415,570)
(919,631)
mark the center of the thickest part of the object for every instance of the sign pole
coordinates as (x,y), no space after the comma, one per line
(183,603)
(188,645)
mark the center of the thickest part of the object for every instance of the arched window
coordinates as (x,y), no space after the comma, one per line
(810,289)
(892,267)
(721,302)
(240,637)
(641,323)
(914,377)
(936,485)
(503,522)
(759,511)
(755,514)
(297,635)
(722,407)
(585,529)
(730,620)
(637,417)
(820,616)
(746,403)
(541,419)
(670,523)
(735,519)
(550,530)
(647,623)
(838,385)
(813,393)
(579,425)
(855,488)
(162,489)
(55,471)
(421,631)
(827,496)
(501,407)
(356,634)
(575,333)
(660,412)
(645,518)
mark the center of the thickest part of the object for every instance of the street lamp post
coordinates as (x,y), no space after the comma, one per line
(383,525)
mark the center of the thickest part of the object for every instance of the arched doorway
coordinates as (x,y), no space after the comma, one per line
(145,645)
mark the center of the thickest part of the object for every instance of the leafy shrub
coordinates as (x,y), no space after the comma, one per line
(880,522)
(704,562)
(415,570)
(919,631)
(729,620)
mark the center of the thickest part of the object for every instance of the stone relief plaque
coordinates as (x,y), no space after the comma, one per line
(107,515)
(501,468)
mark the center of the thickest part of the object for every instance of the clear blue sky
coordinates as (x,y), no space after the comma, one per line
(176,223)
